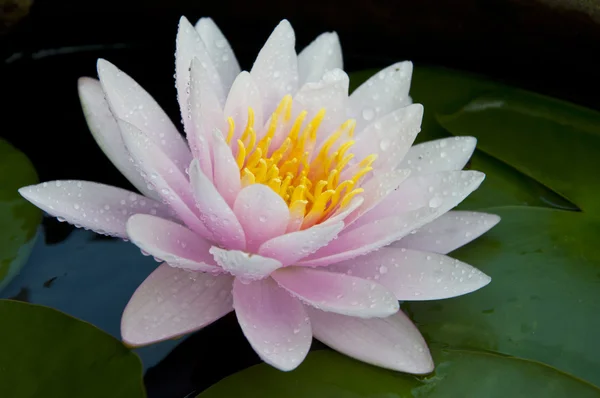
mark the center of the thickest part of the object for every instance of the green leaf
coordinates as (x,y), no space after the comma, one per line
(544,298)
(19,218)
(45,353)
(326,374)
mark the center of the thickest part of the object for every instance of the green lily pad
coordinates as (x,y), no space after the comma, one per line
(544,299)
(326,374)
(18,217)
(45,353)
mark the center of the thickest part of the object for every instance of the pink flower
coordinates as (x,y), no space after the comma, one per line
(291,202)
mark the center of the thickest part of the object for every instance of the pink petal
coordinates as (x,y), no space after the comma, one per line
(275,323)
(226,176)
(101,208)
(381,94)
(320,56)
(107,134)
(216,215)
(339,293)
(330,93)
(390,137)
(414,275)
(262,213)
(171,242)
(248,267)
(170,183)
(294,246)
(244,94)
(392,343)
(275,70)
(446,154)
(220,51)
(449,232)
(172,302)
(189,45)
(130,102)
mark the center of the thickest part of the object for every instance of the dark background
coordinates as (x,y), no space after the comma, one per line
(45,48)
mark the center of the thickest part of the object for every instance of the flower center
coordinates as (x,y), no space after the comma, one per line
(314,179)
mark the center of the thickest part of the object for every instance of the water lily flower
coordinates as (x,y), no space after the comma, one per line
(305,210)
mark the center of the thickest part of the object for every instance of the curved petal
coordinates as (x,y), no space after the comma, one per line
(446,154)
(170,183)
(320,56)
(262,213)
(382,93)
(189,45)
(216,215)
(390,137)
(244,94)
(226,175)
(330,93)
(172,302)
(392,343)
(101,208)
(219,50)
(130,102)
(107,134)
(415,276)
(275,323)
(294,246)
(339,293)
(275,70)
(247,267)
(171,242)
(449,232)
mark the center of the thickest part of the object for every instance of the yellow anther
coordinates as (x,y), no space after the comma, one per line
(273,172)
(344,186)
(320,186)
(317,210)
(254,158)
(281,151)
(261,171)
(331,178)
(231,129)
(247,178)
(275,185)
(298,193)
(350,196)
(341,165)
(368,161)
(298,208)
(286,183)
(249,124)
(361,174)
(241,156)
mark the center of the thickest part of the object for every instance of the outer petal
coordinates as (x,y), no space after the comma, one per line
(446,154)
(163,175)
(331,93)
(130,102)
(216,215)
(171,242)
(449,232)
(172,302)
(244,94)
(390,137)
(414,275)
(247,267)
(339,293)
(381,94)
(107,134)
(294,246)
(226,177)
(276,67)
(275,323)
(262,213)
(393,342)
(101,208)
(219,50)
(320,56)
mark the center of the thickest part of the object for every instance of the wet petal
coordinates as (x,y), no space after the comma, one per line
(339,293)
(226,177)
(446,154)
(107,134)
(262,213)
(385,91)
(248,267)
(275,323)
(275,70)
(393,342)
(101,208)
(130,102)
(172,302)
(219,50)
(449,232)
(171,242)
(320,56)
(413,275)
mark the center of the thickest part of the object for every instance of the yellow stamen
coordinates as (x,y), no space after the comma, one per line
(231,129)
